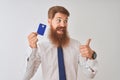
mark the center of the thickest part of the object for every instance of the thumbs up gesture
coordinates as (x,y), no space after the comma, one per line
(85,50)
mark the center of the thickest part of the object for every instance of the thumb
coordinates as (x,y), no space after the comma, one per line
(88,42)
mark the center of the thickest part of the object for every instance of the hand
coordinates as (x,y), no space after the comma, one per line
(32,39)
(85,50)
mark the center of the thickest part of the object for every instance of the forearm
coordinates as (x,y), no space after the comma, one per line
(32,64)
(89,67)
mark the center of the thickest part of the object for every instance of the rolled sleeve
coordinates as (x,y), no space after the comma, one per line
(89,67)
(33,63)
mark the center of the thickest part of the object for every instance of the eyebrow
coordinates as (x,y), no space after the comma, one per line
(61,18)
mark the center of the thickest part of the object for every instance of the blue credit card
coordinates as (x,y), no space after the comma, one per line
(41,29)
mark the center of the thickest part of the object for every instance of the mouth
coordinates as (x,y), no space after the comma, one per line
(60,30)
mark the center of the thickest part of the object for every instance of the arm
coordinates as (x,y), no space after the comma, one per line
(33,63)
(87,60)
(89,66)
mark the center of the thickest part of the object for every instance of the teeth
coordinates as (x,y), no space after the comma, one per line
(60,29)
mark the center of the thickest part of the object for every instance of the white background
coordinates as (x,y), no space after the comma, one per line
(95,19)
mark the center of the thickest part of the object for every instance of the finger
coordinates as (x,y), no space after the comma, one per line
(82,46)
(33,34)
(83,54)
(33,40)
(84,50)
(88,42)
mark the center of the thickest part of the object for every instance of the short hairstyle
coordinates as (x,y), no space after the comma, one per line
(57,9)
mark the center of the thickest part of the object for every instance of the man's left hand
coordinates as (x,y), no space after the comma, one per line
(85,50)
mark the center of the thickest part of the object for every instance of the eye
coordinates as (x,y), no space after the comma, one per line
(65,21)
(58,20)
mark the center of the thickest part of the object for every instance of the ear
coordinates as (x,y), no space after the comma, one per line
(49,21)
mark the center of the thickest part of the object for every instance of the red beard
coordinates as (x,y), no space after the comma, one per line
(59,39)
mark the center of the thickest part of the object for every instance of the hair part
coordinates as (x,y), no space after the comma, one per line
(57,9)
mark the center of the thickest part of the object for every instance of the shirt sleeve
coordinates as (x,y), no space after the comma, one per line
(89,66)
(33,63)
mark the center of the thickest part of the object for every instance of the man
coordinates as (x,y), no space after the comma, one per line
(74,54)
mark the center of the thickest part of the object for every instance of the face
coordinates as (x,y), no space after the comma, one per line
(59,23)
(58,29)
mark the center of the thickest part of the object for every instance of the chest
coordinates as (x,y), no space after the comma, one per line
(50,56)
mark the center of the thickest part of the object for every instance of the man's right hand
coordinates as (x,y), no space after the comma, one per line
(32,39)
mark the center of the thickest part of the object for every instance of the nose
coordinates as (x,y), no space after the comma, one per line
(62,24)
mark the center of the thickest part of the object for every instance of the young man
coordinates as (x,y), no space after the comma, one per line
(47,53)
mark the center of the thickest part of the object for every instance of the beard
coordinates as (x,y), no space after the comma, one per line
(59,39)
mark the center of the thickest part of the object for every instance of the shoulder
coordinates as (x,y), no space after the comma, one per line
(43,44)
(74,42)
